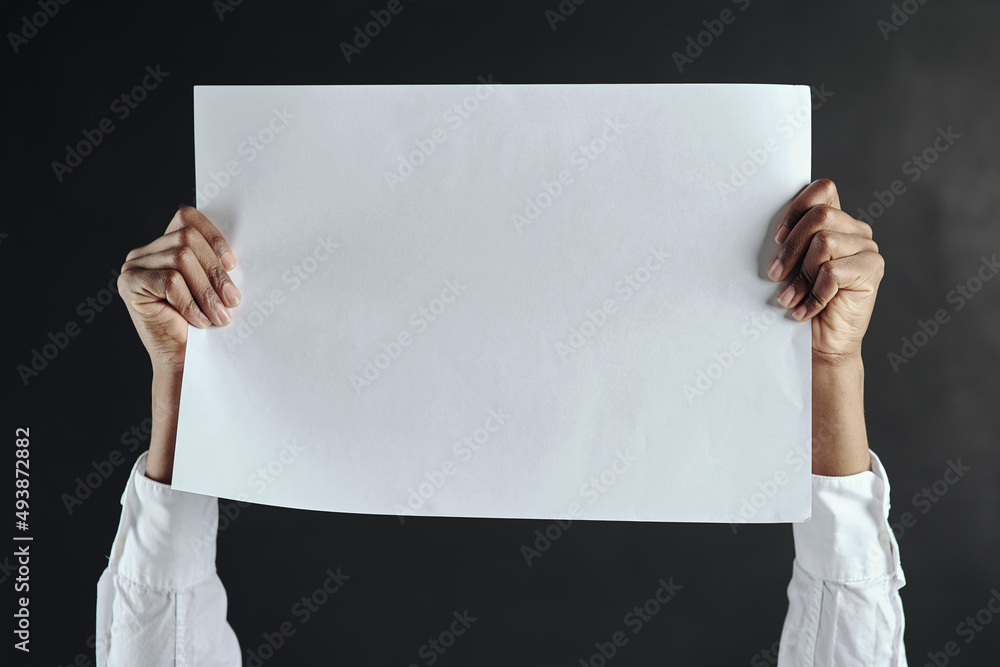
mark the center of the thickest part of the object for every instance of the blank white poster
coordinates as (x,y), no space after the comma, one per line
(521,301)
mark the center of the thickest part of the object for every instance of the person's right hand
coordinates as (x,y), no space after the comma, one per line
(179,278)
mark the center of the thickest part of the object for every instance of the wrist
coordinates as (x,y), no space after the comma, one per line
(167,372)
(166,394)
(830,363)
(840,439)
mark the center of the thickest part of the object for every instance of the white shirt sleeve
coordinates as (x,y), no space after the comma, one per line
(160,601)
(843,601)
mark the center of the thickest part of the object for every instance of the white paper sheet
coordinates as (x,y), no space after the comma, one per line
(553,295)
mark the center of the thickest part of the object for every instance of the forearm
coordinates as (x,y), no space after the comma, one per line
(840,440)
(166,403)
(843,600)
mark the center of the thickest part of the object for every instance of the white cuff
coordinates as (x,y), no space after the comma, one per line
(166,538)
(849,537)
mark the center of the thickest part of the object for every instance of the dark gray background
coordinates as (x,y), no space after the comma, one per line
(64,241)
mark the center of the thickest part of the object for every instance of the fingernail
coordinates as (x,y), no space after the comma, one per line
(228,260)
(774,271)
(799,312)
(786,295)
(232,294)
(202,320)
(223,314)
(780,235)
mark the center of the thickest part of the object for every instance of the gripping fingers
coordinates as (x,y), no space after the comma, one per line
(184,261)
(195,241)
(817,219)
(192,238)
(142,287)
(189,216)
(860,272)
(825,246)
(172,286)
(821,191)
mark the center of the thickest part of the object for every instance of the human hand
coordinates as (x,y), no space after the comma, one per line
(836,283)
(835,270)
(179,278)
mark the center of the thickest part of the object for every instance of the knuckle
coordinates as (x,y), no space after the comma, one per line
(825,272)
(186,235)
(880,263)
(122,282)
(824,241)
(191,307)
(827,186)
(185,213)
(866,229)
(219,276)
(822,214)
(182,255)
(172,280)
(210,296)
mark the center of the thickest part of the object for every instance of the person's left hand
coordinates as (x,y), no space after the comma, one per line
(836,283)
